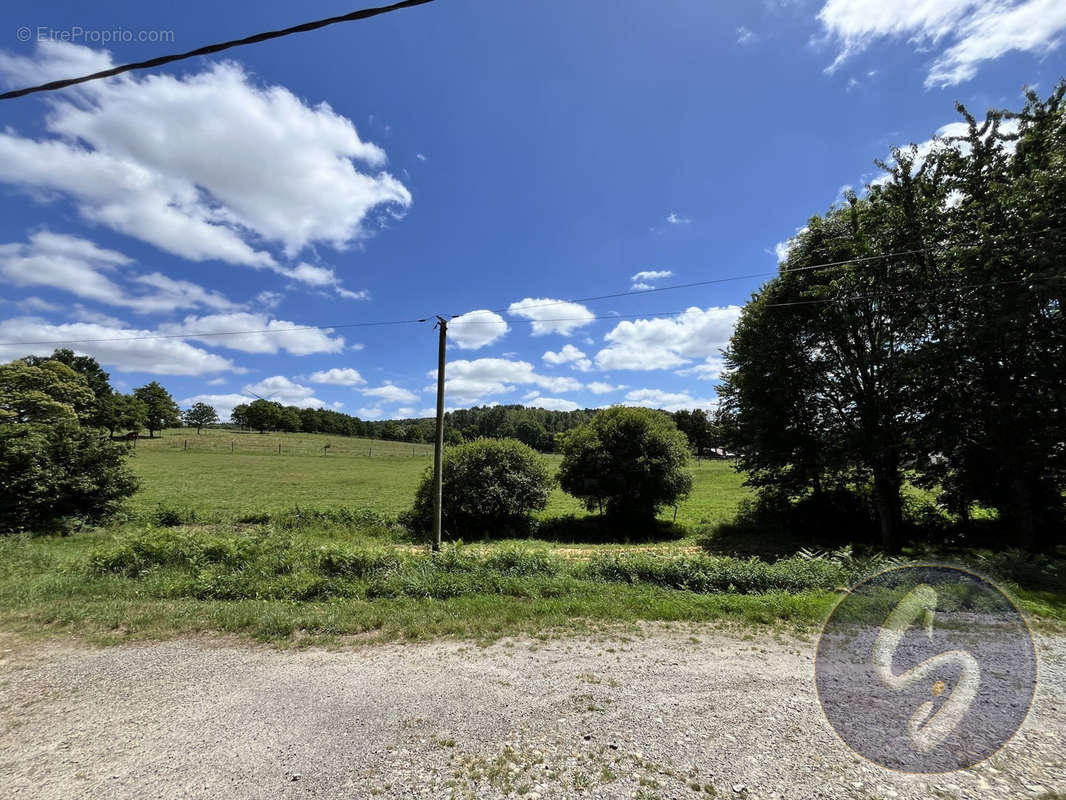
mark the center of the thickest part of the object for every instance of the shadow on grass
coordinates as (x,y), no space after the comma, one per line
(602,530)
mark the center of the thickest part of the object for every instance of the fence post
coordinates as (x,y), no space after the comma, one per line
(186,447)
(279,448)
(231,448)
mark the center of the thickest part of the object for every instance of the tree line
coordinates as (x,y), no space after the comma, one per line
(916,334)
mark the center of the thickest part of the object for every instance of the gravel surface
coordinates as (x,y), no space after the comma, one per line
(666,713)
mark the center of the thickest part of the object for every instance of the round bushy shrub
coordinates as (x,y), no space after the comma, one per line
(490,488)
(627,462)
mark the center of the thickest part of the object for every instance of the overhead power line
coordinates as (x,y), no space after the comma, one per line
(159,61)
(515,320)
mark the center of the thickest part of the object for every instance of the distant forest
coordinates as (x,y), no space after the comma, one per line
(536,427)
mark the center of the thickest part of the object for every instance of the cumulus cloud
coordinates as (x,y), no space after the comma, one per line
(667,401)
(974,31)
(222,403)
(552,316)
(469,381)
(338,376)
(280,389)
(599,387)
(76,265)
(668,342)
(476,329)
(552,404)
(120,149)
(392,394)
(676,219)
(270,335)
(569,355)
(710,370)
(642,281)
(119,348)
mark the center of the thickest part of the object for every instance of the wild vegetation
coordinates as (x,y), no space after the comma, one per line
(917,334)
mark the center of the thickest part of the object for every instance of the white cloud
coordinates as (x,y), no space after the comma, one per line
(668,342)
(469,381)
(667,401)
(280,389)
(569,355)
(36,304)
(271,335)
(216,382)
(552,316)
(599,387)
(121,150)
(973,30)
(338,376)
(745,35)
(362,294)
(710,370)
(421,157)
(370,413)
(642,280)
(552,404)
(476,329)
(405,413)
(122,352)
(392,394)
(676,219)
(222,403)
(78,266)
(337,405)
(781,249)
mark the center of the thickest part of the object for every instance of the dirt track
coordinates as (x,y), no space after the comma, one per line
(664,714)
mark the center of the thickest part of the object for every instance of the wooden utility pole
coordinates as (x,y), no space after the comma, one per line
(438,441)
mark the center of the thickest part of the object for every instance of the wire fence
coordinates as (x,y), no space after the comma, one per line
(275,446)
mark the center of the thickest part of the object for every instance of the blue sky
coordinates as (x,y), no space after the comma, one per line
(486,159)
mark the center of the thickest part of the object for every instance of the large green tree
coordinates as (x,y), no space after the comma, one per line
(629,462)
(198,415)
(52,466)
(95,377)
(162,411)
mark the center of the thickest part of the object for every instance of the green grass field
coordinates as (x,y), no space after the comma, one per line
(218,482)
(243,560)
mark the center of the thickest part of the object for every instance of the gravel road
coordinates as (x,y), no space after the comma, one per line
(661,713)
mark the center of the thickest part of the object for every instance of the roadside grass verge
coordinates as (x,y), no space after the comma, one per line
(313,577)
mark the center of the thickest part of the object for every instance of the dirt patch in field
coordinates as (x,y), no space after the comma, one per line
(670,713)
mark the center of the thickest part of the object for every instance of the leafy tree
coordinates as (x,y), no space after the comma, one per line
(162,411)
(239,415)
(263,415)
(289,419)
(628,461)
(998,413)
(50,392)
(199,415)
(97,380)
(126,412)
(55,471)
(52,467)
(489,487)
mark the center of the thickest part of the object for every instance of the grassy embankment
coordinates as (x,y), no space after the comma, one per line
(270,545)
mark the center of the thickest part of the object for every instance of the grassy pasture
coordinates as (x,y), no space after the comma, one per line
(216,483)
(342,567)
